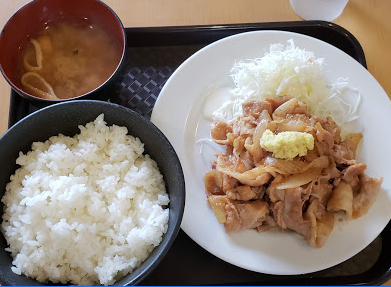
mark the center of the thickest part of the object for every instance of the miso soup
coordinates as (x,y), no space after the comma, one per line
(67,59)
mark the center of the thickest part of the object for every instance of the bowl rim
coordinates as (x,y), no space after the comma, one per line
(48,101)
(165,245)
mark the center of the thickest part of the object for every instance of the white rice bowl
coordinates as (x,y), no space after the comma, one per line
(84,210)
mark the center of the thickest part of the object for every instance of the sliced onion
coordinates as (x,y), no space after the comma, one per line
(217,203)
(38,57)
(354,140)
(297,180)
(49,94)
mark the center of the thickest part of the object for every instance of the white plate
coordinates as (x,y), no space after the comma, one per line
(178,114)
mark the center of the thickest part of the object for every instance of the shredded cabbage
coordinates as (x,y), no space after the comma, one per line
(289,70)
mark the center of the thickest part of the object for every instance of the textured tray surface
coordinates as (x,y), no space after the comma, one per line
(147,70)
(153,55)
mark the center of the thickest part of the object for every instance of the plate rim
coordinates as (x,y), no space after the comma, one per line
(154,119)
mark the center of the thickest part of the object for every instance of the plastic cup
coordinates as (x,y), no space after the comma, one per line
(326,10)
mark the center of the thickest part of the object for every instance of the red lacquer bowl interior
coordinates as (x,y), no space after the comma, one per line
(34,16)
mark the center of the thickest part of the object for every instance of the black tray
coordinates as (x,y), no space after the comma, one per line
(153,55)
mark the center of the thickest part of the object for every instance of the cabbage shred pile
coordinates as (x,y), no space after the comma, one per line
(289,70)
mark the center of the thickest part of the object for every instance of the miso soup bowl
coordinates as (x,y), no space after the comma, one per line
(65,118)
(34,17)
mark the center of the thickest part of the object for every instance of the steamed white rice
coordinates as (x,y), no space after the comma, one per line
(84,210)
